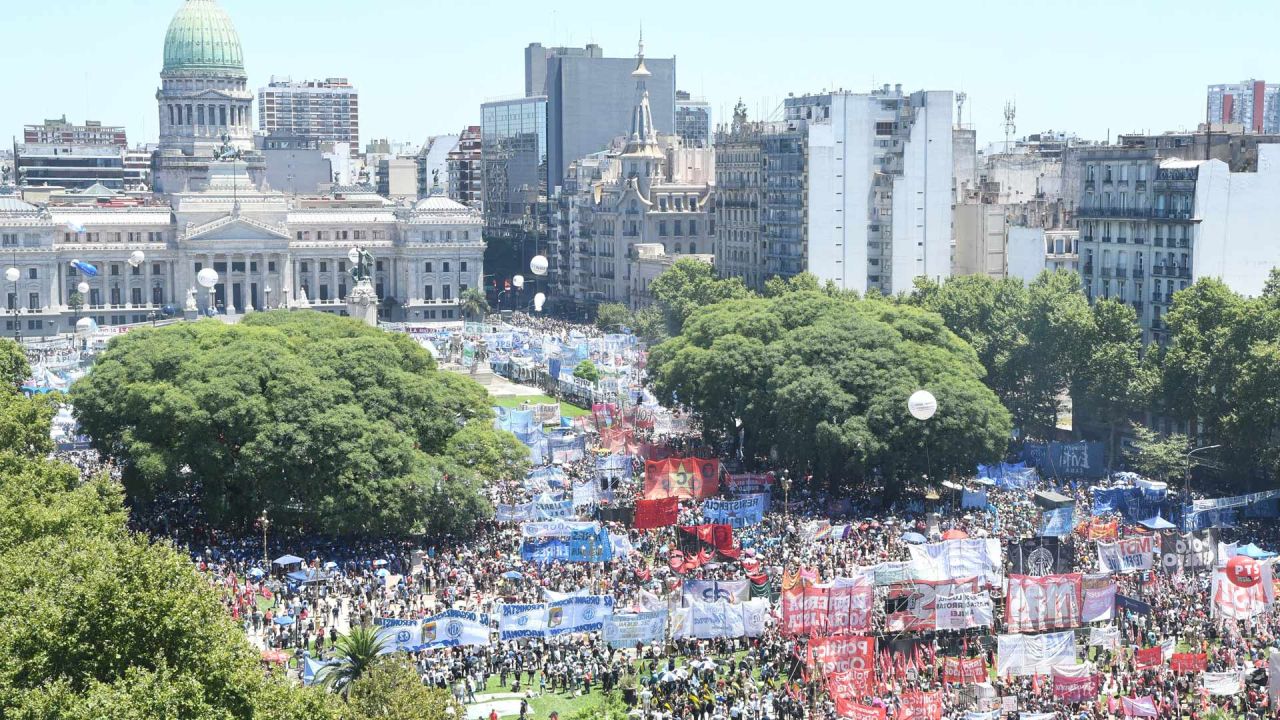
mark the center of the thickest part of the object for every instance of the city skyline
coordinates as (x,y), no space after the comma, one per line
(994,57)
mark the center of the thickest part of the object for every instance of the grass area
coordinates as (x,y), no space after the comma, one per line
(516,401)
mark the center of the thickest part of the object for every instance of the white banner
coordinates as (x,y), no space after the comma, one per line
(399,634)
(454,628)
(578,614)
(1105,637)
(1240,603)
(556,529)
(1224,683)
(955,559)
(624,630)
(586,492)
(1127,555)
(720,619)
(1099,599)
(514,513)
(964,610)
(730,591)
(522,621)
(1034,654)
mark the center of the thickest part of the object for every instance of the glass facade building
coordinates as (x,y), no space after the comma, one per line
(513,151)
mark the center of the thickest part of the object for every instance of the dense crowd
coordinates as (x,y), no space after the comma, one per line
(355,581)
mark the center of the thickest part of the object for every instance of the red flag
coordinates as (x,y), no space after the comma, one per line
(681,477)
(1189,662)
(921,706)
(1148,657)
(717,536)
(656,513)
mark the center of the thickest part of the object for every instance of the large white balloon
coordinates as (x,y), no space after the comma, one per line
(207,278)
(518,281)
(12,274)
(137,257)
(538,265)
(922,404)
(538,301)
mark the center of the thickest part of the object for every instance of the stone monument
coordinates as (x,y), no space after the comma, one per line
(362,301)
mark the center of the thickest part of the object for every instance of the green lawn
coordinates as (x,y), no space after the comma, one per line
(515,401)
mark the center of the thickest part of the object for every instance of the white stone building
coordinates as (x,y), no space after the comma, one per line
(270,250)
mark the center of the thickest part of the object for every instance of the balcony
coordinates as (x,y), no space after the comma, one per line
(1155,297)
(1112,212)
(1138,273)
(1106,272)
(1183,243)
(1086,238)
(1122,239)
(1157,270)
(1157,241)
(1088,268)
(1106,238)
(1139,240)
(1137,307)
(1088,185)
(1140,185)
(1168,298)
(1184,272)
(1165,214)
(1122,272)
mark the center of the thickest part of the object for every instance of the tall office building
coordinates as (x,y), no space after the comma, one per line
(322,110)
(693,120)
(535,64)
(1252,103)
(590,101)
(513,150)
(62,154)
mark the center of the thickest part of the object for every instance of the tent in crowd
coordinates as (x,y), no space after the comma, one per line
(1255,552)
(1157,523)
(287,560)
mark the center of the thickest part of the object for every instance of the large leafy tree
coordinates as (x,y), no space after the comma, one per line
(688,285)
(325,423)
(390,689)
(1114,383)
(823,379)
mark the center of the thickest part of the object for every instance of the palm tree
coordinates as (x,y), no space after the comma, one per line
(473,304)
(356,651)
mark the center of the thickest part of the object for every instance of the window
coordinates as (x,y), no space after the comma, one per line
(302,266)
(429,267)
(115,269)
(33,301)
(33,274)
(693,248)
(446,292)
(9,239)
(135,296)
(271,266)
(428,293)
(463,265)
(662,228)
(445,265)
(135,270)
(155,268)
(377,265)
(324,292)
(884,128)
(324,266)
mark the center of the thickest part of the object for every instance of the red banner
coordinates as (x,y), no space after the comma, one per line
(1148,657)
(964,670)
(847,708)
(913,605)
(618,441)
(604,414)
(843,653)
(804,609)
(1104,530)
(918,705)
(1051,602)
(850,602)
(1077,689)
(1189,662)
(716,536)
(656,513)
(681,477)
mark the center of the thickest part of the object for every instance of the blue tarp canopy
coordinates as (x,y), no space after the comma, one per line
(914,537)
(1157,523)
(287,560)
(1255,552)
(311,667)
(304,576)
(284,620)
(512,575)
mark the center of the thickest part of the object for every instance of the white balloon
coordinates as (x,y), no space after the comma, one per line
(137,257)
(208,277)
(86,326)
(12,274)
(538,265)
(518,281)
(922,404)
(538,301)
(353,255)
(83,287)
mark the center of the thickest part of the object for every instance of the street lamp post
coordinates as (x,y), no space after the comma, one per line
(266,564)
(1186,475)
(266,298)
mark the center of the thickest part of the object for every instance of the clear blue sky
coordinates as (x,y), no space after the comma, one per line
(423,67)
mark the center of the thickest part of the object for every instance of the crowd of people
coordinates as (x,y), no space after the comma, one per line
(355,581)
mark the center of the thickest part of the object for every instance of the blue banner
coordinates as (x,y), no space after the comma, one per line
(1128,603)
(1058,522)
(1066,460)
(738,513)
(592,545)
(585,613)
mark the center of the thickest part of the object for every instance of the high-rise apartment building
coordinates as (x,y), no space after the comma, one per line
(464,167)
(878,186)
(693,120)
(513,150)
(322,110)
(1253,104)
(60,132)
(590,102)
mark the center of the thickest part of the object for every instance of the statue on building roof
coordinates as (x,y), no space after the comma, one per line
(226,152)
(739,115)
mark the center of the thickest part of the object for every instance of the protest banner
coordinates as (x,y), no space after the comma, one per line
(1034,604)
(959,611)
(1034,654)
(656,513)
(454,628)
(964,670)
(738,513)
(1126,555)
(955,559)
(624,630)
(912,606)
(681,477)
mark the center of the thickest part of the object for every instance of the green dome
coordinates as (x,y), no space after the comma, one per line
(201,37)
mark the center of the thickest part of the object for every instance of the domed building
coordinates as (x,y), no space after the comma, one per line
(205,108)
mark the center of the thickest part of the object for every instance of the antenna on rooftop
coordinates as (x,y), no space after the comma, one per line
(960,98)
(1010,111)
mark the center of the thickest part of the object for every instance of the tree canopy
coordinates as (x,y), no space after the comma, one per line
(323,422)
(822,379)
(688,285)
